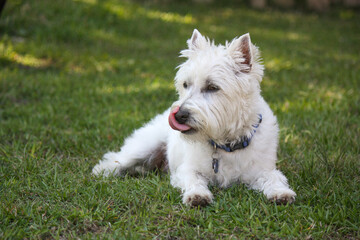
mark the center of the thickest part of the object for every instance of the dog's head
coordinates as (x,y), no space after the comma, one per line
(218,87)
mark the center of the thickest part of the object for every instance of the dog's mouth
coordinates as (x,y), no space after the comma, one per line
(174,124)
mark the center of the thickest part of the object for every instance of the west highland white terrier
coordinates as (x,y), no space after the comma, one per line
(220,131)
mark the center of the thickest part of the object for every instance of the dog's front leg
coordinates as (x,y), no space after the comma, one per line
(274,185)
(193,186)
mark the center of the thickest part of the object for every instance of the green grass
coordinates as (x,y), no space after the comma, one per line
(77,77)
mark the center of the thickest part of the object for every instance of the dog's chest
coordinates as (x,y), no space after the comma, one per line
(227,168)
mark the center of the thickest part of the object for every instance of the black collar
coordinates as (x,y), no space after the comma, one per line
(242,143)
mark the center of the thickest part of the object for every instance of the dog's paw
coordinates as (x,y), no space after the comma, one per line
(100,170)
(109,166)
(283,198)
(198,199)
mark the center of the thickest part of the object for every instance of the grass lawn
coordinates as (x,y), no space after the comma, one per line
(77,76)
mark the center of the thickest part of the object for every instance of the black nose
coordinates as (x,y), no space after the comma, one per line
(182,116)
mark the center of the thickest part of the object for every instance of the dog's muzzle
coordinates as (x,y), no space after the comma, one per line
(178,118)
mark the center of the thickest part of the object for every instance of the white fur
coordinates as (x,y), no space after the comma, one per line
(223,116)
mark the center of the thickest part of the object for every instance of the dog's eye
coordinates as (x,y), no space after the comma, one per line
(185,85)
(212,88)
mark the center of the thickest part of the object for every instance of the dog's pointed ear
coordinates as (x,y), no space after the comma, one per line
(196,41)
(241,51)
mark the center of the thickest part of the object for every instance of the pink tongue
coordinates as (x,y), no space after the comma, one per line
(175,124)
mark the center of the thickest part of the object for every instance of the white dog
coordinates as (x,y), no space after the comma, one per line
(221,129)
